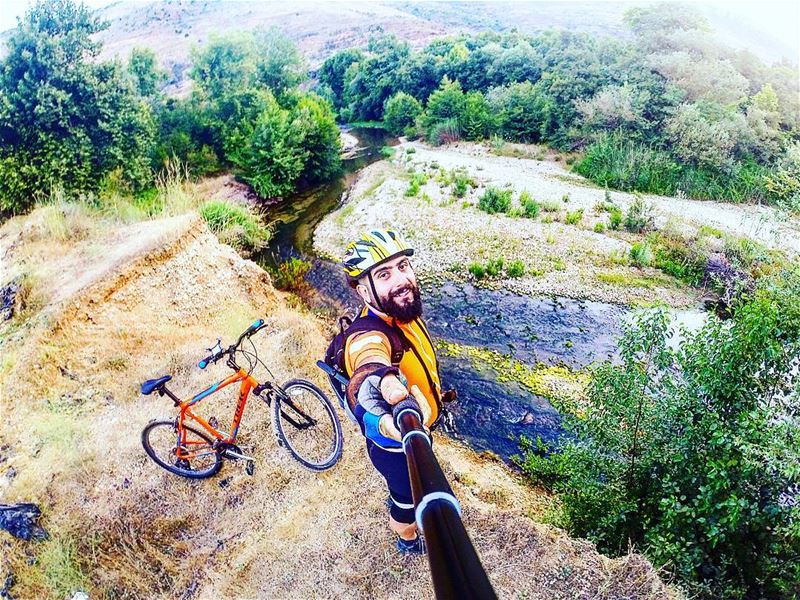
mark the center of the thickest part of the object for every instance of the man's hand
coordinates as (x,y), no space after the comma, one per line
(393,392)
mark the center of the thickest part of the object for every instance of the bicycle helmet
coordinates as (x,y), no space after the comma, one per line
(372,249)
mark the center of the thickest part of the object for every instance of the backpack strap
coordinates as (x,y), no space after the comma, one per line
(397,341)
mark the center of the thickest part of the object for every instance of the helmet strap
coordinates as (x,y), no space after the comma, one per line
(375,298)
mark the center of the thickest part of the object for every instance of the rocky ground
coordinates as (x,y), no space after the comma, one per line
(560,259)
(100,308)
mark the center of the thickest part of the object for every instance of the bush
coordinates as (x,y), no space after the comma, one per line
(461,182)
(417,181)
(690,454)
(550,206)
(494,267)
(615,218)
(495,200)
(400,112)
(516,268)
(290,274)
(599,227)
(530,207)
(444,132)
(574,217)
(477,270)
(639,217)
(641,254)
(235,225)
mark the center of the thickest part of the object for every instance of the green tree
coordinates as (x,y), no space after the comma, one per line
(266,145)
(445,104)
(147,75)
(321,138)
(224,64)
(66,118)
(476,119)
(691,454)
(333,72)
(521,111)
(279,65)
(400,111)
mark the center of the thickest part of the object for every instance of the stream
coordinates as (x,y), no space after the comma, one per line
(489,414)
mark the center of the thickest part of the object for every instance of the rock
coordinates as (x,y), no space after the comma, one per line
(8,296)
(20,521)
(80,595)
(5,591)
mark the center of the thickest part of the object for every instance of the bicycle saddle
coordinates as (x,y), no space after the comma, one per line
(152,384)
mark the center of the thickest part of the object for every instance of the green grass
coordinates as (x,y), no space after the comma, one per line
(236,225)
(367,124)
(625,280)
(574,217)
(495,200)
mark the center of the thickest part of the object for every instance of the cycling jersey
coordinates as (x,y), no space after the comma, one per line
(419,365)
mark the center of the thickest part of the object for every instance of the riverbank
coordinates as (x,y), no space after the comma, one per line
(562,255)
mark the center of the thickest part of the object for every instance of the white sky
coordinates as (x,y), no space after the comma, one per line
(777,18)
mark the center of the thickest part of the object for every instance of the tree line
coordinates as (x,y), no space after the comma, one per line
(669,111)
(69,121)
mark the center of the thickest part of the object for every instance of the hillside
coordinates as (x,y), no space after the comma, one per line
(172,27)
(111,305)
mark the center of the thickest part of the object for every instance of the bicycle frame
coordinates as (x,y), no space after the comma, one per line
(248,383)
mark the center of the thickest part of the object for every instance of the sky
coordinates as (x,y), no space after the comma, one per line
(776,18)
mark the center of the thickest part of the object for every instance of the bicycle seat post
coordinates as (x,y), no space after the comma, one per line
(163,390)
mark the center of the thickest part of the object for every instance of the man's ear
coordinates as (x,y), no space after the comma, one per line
(364,292)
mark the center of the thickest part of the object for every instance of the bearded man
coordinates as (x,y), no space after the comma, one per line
(389,355)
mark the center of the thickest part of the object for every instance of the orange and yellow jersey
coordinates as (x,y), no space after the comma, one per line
(418,365)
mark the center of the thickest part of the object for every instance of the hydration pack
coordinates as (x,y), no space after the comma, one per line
(335,358)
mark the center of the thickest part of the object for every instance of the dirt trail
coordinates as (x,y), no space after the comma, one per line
(128,303)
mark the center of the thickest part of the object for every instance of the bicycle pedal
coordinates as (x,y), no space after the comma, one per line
(250,468)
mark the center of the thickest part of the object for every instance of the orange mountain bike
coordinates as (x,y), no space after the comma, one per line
(303,418)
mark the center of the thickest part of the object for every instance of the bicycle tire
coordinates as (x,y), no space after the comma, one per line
(317,447)
(172,467)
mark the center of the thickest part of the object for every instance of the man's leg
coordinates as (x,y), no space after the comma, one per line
(393,467)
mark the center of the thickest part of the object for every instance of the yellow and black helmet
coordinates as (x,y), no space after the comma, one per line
(371,249)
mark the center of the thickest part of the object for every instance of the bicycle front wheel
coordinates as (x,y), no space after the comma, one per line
(194,457)
(306,424)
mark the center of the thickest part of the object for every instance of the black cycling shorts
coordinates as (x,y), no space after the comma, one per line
(393,467)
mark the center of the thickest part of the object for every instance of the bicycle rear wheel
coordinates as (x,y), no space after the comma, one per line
(306,424)
(195,458)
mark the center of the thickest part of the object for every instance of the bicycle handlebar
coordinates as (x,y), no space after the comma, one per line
(256,326)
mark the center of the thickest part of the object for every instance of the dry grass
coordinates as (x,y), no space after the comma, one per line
(123,528)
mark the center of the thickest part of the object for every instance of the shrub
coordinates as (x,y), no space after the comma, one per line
(235,225)
(387,151)
(565,198)
(400,112)
(639,217)
(574,217)
(688,454)
(444,132)
(494,267)
(461,182)
(550,205)
(477,270)
(417,181)
(615,218)
(599,227)
(641,254)
(516,268)
(495,200)
(290,274)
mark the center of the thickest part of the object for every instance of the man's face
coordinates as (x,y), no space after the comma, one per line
(397,289)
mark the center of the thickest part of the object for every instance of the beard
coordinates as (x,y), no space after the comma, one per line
(404,311)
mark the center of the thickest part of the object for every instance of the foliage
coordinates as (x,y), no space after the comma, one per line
(333,73)
(494,266)
(147,75)
(66,118)
(615,218)
(495,200)
(516,268)
(461,181)
(690,453)
(574,217)
(290,274)
(639,216)
(641,254)
(477,270)
(235,224)
(400,111)
(417,181)
(530,207)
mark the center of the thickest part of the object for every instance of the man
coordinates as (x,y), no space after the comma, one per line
(388,356)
